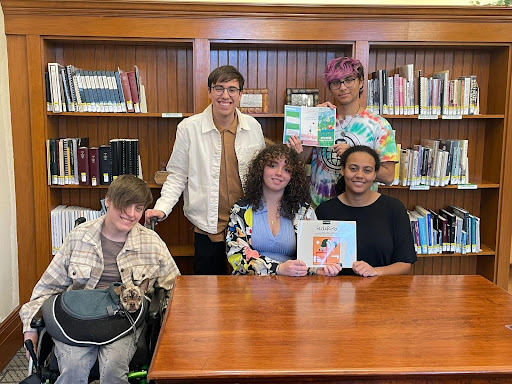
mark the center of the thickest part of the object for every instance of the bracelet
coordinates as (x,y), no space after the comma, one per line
(277,269)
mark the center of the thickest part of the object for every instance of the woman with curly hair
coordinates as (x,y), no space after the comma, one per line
(261,238)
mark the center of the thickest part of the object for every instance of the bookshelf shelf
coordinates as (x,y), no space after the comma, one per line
(130,115)
(486,251)
(440,117)
(395,116)
(482,185)
(277,115)
(284,48)
(72,186)
(479,185)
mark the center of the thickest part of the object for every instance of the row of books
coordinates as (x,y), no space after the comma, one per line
(433,162)
(448,231)
(63,219)
(71,89)
(72,161)
(408,92)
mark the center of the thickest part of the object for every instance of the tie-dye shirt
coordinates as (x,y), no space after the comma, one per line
(362,129)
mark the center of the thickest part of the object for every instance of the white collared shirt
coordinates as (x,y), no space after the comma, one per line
(194,166)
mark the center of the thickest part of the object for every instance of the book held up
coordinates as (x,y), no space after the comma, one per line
(314,126)
(322,242)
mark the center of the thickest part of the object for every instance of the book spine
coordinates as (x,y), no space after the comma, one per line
(473,94)
(71,86)
(130,165)
(423,234)
(83,166)
(80,92)
(136,157)
(120,92)
(48,159)
(70,105)
(127,92)
(94,166)
(134,91)
(105,165)
(48,92)
(55,87)
(114,150)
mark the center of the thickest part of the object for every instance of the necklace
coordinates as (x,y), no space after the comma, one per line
(275,217)
(347,124)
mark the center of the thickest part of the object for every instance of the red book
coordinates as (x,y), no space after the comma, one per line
(94,166)
(126,91)
(84,177)
(134,91)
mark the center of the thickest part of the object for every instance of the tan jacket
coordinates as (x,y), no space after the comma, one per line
(79,264)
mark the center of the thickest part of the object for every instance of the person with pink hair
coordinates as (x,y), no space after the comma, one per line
(355,125)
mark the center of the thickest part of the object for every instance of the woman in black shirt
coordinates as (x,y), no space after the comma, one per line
(385,244)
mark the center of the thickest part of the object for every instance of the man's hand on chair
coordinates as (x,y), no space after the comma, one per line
(154,213)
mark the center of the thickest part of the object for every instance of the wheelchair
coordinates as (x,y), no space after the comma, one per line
(45,362)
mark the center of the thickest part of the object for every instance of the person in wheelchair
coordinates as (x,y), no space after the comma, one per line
(113,248)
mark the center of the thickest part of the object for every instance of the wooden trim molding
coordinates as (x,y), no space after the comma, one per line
(11,337)
(160,9)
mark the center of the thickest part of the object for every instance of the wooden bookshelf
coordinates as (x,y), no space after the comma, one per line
(176,45)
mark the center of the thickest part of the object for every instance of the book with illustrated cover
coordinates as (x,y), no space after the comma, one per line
(314,126)
(322,242)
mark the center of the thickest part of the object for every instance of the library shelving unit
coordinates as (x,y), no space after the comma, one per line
(176,45)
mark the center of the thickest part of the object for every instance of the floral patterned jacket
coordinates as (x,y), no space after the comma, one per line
(238,241)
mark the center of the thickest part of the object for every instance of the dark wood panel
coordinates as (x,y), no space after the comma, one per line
(278,66)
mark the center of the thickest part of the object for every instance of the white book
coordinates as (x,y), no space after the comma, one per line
(322,242)
(478,244)
(391,96)
(439,167)
(55,81)
(444,172)
(463,174)
(458,234)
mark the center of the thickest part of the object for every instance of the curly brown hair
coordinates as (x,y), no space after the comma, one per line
(296,192)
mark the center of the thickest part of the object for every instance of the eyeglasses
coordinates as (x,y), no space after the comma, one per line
(219,90)
(336,84)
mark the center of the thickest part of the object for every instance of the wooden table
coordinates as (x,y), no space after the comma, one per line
(393,329)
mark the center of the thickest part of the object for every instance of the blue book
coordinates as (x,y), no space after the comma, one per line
(428,225)
(422,227)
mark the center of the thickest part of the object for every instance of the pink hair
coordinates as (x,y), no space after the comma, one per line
(342,67)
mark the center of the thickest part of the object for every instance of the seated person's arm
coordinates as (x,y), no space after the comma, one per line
(53,281)
(362,268)
(168,270)
(386,173)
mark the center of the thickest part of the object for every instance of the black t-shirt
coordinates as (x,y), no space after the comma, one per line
(383,230)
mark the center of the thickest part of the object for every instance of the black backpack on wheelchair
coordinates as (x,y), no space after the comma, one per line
(47,370)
